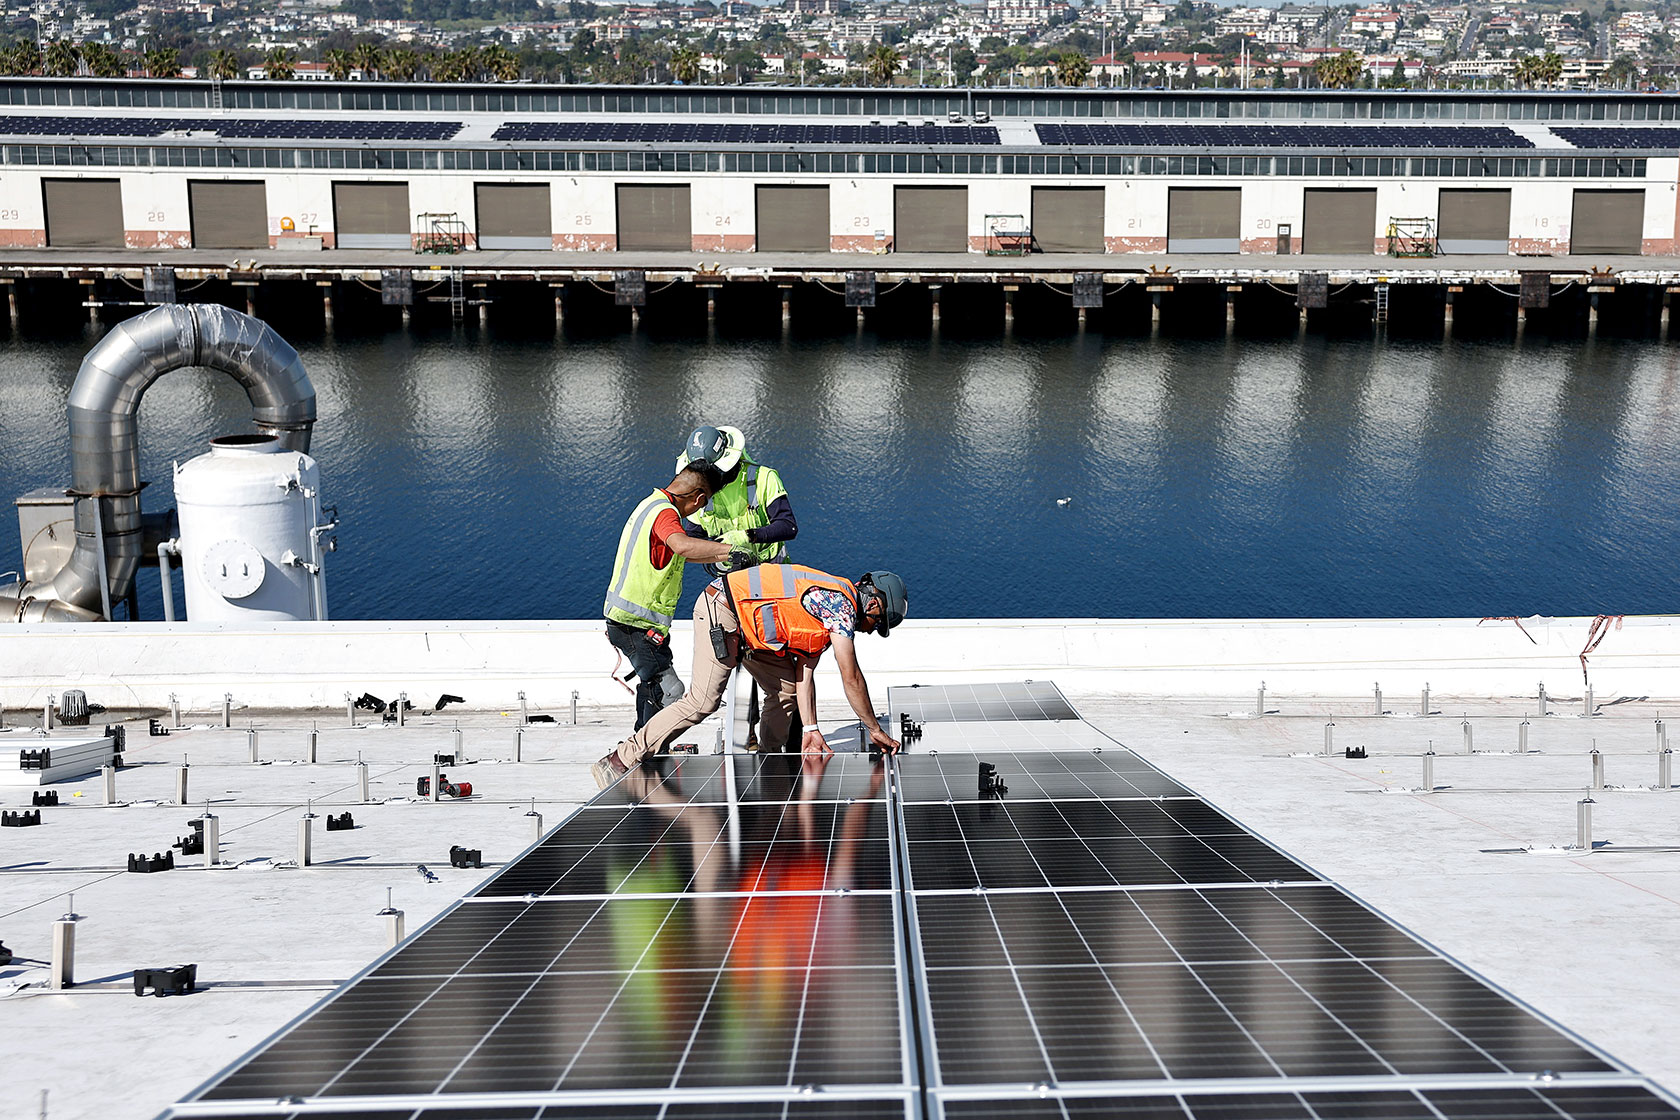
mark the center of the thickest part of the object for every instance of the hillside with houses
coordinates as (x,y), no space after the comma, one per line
(1111,43)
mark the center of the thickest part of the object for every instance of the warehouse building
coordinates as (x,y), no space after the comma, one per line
(141,165)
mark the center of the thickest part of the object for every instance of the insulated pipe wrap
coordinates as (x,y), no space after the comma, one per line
(104,439)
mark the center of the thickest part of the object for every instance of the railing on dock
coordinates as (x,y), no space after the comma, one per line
(1412,237)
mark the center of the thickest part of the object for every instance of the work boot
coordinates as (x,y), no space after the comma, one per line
(609,769)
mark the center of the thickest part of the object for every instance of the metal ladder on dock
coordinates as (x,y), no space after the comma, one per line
(457,295)
(1382,303)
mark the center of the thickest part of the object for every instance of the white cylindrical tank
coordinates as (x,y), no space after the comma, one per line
(249,543)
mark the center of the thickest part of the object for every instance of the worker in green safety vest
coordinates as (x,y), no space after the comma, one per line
(750,510)
(647,582)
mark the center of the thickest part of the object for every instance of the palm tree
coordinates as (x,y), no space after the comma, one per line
(881,62)
(1340,72)
(280,65)
(1550,69)
(163,62)
(224,64)
(463,64)
(103,61)
(367,58)
(25,57)
(62,59)
(402,65)
(685,64)
(499,63)
(337,63)
(1072,69)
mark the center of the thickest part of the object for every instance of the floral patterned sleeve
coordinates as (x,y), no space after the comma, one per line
(833,610)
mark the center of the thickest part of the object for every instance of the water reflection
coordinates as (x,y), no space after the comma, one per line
(782,980)
(482,477)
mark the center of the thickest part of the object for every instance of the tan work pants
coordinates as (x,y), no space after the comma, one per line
(778,676)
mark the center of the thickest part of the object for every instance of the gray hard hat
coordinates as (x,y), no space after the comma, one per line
(895,598)
(712,446)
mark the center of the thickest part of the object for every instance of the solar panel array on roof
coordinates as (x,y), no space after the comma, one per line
(604,132)
(846,938)
(1614,137)
(229,127)
(1252,136)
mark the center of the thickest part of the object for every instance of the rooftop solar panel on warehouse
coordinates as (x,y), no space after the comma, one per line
(1252,136)
(229,127)
(1615,137)
(857,938)
(569,132)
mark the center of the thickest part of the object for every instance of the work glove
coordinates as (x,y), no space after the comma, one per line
(736,538)
(740,558)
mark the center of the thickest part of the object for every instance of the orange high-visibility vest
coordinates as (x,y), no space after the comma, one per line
(767,605)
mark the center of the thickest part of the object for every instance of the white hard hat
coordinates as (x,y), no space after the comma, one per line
(720,446)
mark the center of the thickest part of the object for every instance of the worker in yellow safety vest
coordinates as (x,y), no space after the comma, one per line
(777,620)
(647,582)
(750,510)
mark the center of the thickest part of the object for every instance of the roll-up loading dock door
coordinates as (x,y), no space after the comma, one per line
(930,219)
(792,219)
(1068,219)
(1340,221)
(1204,220)
(513,216)
(1474,222)
(371,216)
(228,215)
(1607,222)
(84,213)
(655,218)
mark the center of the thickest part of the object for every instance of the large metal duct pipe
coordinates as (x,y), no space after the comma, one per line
(105,448)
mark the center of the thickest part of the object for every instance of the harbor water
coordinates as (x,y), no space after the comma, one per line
(482,476)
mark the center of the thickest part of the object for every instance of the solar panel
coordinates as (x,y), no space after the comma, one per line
(783,135)
(857,938)
(1027,735)
(948,775)
(1257,136)
(229,127)
(1539,1103)
(697,949)
(980,702)
(1614,137)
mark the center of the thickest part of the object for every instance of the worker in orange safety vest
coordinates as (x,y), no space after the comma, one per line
(777,620)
